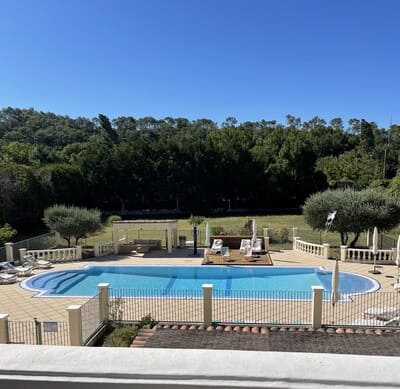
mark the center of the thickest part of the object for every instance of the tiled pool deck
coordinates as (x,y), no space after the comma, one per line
(21,305)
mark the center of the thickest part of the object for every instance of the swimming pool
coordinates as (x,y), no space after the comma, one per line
(153,281)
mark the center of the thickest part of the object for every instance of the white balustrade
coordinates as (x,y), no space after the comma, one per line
(101,249)
(366,256)
(58,255)
(318,250)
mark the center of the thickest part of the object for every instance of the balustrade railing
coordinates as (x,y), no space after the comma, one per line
(57,255)
(318,250)
(102,249)
(366,255)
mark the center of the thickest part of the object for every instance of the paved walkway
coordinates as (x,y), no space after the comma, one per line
(21,304)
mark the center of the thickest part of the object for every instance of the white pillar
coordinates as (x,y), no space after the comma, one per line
(75,325)
(326,250)
(367,242)
(295,232)
(316,318)
(96,250)
(22,253)
(295,238)
(4,338)
(115,239)
(175,238)
(207,304)
(126,235)
(266,242)
(343,253)
(169,240)
(9,252)
(104,301)
(78,252)
(265,232)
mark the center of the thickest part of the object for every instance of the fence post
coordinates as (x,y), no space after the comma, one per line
(78,252)
(104,301)
(295,232)
(4,338)
(316,306)
(9,252)
(207,304)
(294,242)
(327,247)
(96,247)
(343,253)
(265,232)
(38,331)
(266,242)
(75,325)
(22,253)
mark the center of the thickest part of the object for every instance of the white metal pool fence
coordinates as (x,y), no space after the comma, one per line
(90,317)
(207,306)
(256,307)
(38,332)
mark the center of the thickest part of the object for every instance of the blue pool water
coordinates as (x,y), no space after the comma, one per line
(173,280)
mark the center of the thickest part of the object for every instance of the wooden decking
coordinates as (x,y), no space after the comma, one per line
(236,258)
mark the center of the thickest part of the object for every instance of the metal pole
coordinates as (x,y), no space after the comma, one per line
(194,239)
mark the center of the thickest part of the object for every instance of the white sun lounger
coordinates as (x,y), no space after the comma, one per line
(381,313)
(257,246)
(216,246)
(30,260)
(244,244)
(376,323)
(21,271)
(6,278)
(226,256)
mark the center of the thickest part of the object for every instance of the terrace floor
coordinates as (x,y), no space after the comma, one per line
(21,304)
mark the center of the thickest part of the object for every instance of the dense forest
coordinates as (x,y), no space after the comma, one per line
(174,163)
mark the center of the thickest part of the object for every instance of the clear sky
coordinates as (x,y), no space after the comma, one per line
(203,58)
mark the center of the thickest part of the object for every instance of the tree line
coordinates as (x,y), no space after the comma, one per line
(175,163)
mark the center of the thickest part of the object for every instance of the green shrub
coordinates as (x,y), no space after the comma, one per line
(121,336)
(247,228)
(147,320)
(280,235)
(216,230)
(6,233)
(111,219)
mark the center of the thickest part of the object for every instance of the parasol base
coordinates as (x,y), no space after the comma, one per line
(375,270)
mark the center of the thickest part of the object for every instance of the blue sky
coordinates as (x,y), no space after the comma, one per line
(203,58)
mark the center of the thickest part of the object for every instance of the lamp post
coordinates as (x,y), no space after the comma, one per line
(194,239)
(195,221)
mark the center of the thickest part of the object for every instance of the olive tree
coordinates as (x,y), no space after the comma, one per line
(6,233)
(72,222)
(356,212)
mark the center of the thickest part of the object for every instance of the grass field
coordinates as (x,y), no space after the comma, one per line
(234,225)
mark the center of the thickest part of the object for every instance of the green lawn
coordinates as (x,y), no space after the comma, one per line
(234,225)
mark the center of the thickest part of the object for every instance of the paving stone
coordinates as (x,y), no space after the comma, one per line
(295,341)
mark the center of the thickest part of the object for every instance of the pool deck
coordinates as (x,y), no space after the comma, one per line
(21,304)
